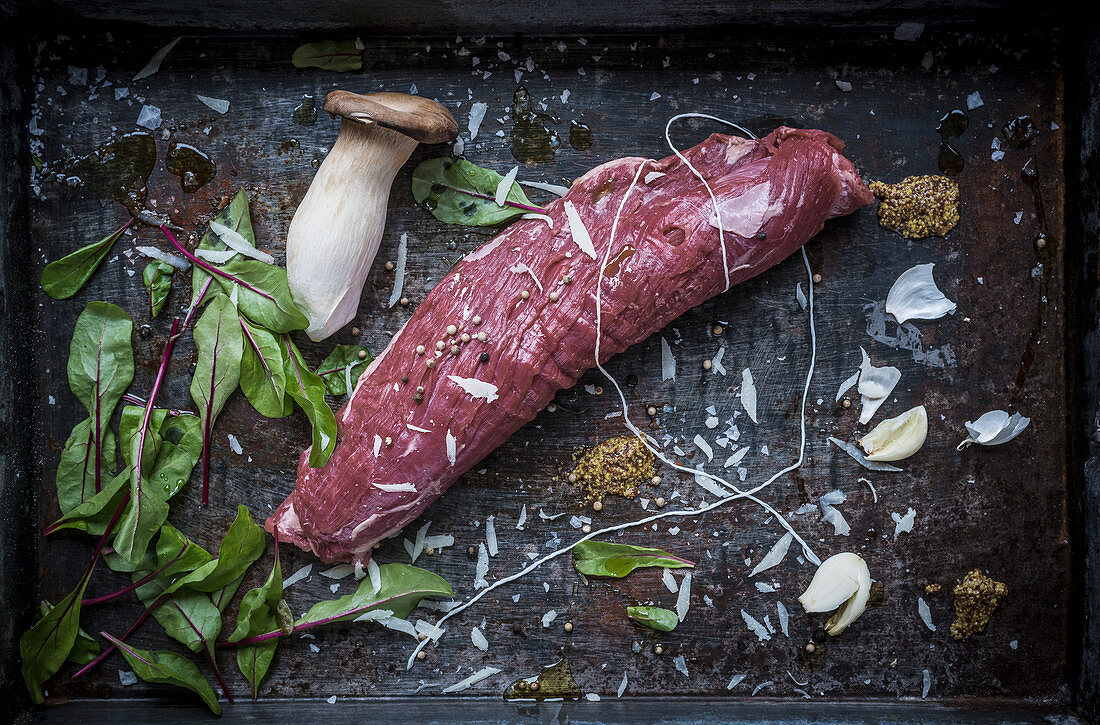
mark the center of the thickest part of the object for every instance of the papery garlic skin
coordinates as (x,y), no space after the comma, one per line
(897,438)
(843,583)
(915,296)
(994,428)
(875,385)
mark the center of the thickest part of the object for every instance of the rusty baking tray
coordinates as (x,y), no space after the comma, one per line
(1023,338)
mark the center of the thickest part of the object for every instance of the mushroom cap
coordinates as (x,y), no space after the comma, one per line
(419,118)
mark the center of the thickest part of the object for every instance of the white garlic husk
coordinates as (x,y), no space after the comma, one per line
(874,386)
(994,428)
(897,438)
(915,296)
(841,583)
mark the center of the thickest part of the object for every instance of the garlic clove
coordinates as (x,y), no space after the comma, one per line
(915,296)
(834,582)
(843,583)
(897,438)
(994,428)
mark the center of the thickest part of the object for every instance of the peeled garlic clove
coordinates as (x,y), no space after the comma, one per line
(897,438)
(915,296)
(853,607)
(834,582)
(842,582)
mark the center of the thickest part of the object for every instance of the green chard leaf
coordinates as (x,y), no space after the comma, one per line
(662,620)
(100,368)
(308,391)
(457,191)
(258,614)
(597,558)
(93,515)
(180,448)
(335,55)
(341,369)
(243,544)
(263,372)
(168,668)
(234,215)
(76,471)
(47,644)
(85,648)
(157,278)
(148,507)
(401,588)
(220,345)
(64,277)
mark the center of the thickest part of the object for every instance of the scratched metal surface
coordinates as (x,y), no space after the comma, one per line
(1001,509)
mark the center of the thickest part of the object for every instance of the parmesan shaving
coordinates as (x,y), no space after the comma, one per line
(548,618)
(399,270)
(476,388)
(418,429)
(578,230)
(800,295)
(395,487)
(702,445)
(491,536)
(375,575)
(683,600)
(522,517)
(669,580)
(482,568)
(774,556)
(668,362)
(735,681)
(452,448)
(755,627)
(716,361)
(925,613)
(154,63)
(903,524)
(418,545)
(521,268)
(622,687)
(479,639)
(681,665)
(482,674)
(232,239)
(217,104)
(653,175)
(505,186)
(171,259)
(429,630)
(340,571)
(748,394)
(216,256)
(552,188)
(784,617)
(477,115)
(539,217)
(298,575)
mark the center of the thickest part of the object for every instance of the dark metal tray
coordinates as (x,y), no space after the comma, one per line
(1025,512)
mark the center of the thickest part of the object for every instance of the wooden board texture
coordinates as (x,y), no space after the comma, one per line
(1002,509)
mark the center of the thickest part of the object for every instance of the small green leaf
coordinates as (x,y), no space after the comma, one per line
(234,215)
(64,277)
(335,55)
(401,588)
(157,278)
(597,558)
(308,391)
(662,620)
(148,507)
(93,515)
(457,191)
(168,668)
(179,450)
(343,365)
(263,372)
(243,544)
(76,471)
(275,308)
(46,645)
(259,613)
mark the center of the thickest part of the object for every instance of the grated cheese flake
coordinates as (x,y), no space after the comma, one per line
(482,674)
(775,555)
(578,230)
(476,388)
(669,580)
(784,617)
(681,665)
(395,487)
(705,447)
(925,613)
(399,270)
(298,575)
(903,524)
(748,395)
(683,600)
(491,535)
(482,567)
(479,639)
(452,448)
(755,627)
(668,362)
(505,186)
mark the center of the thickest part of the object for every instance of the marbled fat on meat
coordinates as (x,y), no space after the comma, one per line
(774,194)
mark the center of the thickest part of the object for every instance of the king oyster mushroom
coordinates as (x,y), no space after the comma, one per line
(335,233)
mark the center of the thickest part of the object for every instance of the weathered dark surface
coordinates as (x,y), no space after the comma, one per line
(1001,509)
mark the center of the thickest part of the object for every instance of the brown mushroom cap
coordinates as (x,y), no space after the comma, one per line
(419,118)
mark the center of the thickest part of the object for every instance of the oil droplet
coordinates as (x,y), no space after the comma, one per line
(145,331)
(119,170)
(194,168)
(532,140)
(580,135)
(952,125)
(305,113)
(553,681)
(616,262)
(1020,132)
(315,162)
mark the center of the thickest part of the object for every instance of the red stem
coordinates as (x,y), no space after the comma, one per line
(133,627)
(144,580)
(209,268)
(516,204)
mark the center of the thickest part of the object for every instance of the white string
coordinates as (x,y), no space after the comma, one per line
(738,494)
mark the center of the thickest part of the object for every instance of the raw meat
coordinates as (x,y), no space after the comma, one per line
(774,194)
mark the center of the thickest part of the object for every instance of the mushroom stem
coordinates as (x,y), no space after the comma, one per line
(335,233)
